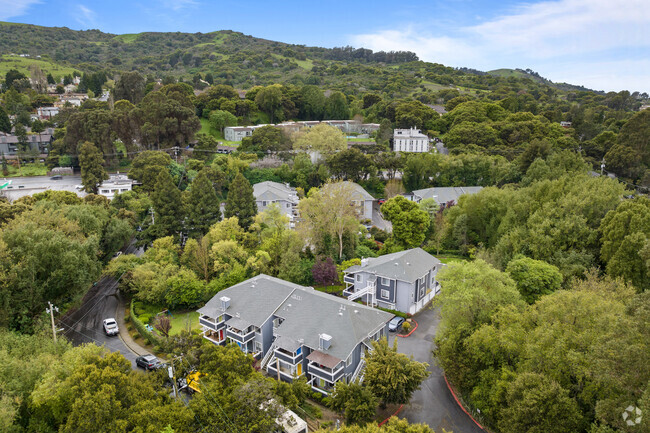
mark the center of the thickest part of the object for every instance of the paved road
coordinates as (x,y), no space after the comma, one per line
(85,324)
(378,220)
(22,186)
(432,404)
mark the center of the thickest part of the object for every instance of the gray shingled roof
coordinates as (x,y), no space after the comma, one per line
(359,190)
(308,313)
(406,265)
(445,194)
(274,191)
(255,299)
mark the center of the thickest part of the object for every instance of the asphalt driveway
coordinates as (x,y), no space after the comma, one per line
(432,404)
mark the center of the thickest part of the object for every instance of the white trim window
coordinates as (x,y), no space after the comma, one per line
(385,281)
(385,294)
(348,361)
(257,346)
(358,278)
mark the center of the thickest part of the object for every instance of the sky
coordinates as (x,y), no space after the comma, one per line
(601,44)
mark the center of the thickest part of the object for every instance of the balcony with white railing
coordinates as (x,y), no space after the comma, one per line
(240,336)
(287,370)
(212,323)
(369,290)
(212,336)
(328,374)
(290,357)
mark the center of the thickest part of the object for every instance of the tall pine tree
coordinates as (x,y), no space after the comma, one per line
(167,207)
(92,168)
(241,202)
(202,206)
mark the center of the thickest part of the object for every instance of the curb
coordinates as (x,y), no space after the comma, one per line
(412,330)
(395,414)
(459,404)
(124,333)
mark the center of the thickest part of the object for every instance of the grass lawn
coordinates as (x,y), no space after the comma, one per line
(179,319)
(8,62)
(206,128)
(451,259)
(329,289)
(35,169)
(362,140)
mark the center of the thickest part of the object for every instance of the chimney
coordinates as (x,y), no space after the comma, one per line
(225,303)
(324,341)
(364,262)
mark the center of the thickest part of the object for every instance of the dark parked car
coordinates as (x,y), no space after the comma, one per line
(395,324)
(56,177)
(148,362)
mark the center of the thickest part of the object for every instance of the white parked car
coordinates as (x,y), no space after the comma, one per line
(110,327)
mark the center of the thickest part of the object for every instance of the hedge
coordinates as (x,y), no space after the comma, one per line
(142,330)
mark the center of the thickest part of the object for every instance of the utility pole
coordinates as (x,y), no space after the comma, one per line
(172,376)
(51,313)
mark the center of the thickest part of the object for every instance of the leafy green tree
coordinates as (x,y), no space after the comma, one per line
(337,106)
(326,213)
(147,166)
(166,120)
(241,202)
(130,86)
(202,205)
(167,207)
(355,401)
(219,119)
(394,425)
(474,291)
(410,223)
(269,99)
(266,139)
(92,168)
(350,164)
(321,138)
(630,156)
(5,123)
(11,76)
(625,232)
(44,257)
(392,376)
(534,278)
(313,103)
(537,404)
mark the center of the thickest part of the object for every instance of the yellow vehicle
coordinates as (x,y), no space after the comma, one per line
(190,384)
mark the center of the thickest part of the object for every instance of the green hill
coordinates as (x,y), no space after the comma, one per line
(245,61)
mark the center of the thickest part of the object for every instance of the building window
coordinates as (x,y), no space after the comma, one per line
(258,346)
(384,281)
(264,203)
(359,278)
(348,361)
(385,294)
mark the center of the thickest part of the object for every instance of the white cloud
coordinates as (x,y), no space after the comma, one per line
(85,16)
(177,5)
(582,40)
(14,8)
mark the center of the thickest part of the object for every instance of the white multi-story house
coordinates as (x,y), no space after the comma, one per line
(270,192)
(403,281)
(410,140)
(237,133)
(295,331)
(116,184)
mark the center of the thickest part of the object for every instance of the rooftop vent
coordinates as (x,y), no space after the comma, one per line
(225,303)
(324,341)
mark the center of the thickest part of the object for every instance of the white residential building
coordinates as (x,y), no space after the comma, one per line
(116,184)
(282,194)
(410,140)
